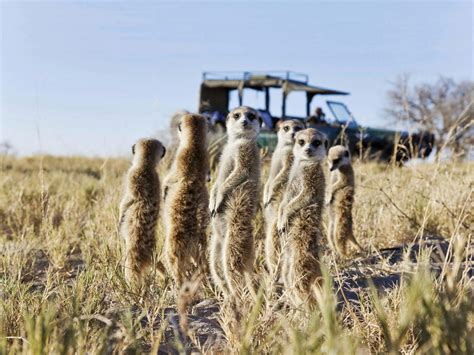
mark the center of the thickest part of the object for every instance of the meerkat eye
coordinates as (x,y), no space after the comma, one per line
(301,142)
(336,161)
(251,116)
(286,128)
(236,115)
(316,143)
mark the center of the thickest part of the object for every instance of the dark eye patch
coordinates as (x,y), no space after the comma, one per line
(286,128)
(251,116)
(179,127)
(236,115)
(316,143)
(297,129)
(336,161)
(301,142)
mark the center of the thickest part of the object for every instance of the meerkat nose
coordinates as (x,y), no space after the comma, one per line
(245,123)
(332,168)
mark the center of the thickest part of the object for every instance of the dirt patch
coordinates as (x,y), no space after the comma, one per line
(385,268)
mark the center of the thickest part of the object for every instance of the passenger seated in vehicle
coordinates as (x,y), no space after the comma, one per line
(216,121)
(318,118)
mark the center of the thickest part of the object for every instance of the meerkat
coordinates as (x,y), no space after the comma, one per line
(300,216)
(186,201)
(139,209)
(341,200)
(277,179)
(173,140)
(234,200)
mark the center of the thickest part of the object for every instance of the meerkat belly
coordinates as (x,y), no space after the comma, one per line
(245,196)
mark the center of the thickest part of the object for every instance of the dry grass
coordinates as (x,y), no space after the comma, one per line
(62,288)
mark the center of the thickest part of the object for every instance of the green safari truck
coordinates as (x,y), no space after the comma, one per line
(341,128)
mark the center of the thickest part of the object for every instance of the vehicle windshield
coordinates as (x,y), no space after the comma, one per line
(341,113)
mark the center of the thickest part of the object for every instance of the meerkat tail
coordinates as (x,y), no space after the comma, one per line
(132,273)
(215,265)
(186,296)
(356,244)
(161,269)
(272,248)
(134,270)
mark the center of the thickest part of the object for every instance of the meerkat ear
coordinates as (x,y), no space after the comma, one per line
(346,154)
(326,144)
(133,149)
(164,152)
(260,121)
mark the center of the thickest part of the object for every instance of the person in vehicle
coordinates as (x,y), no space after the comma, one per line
(318,118)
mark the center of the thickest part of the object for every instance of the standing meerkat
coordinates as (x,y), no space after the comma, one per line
(341,200)
(300,215)
(277,179)
(234,200)
(172,145)
(139,209)
(186,202)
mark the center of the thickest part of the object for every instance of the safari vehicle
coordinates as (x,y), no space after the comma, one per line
(215,97)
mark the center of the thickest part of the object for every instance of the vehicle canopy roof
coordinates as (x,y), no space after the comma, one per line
(216,86)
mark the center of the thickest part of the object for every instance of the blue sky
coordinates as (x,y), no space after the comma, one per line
(92,77)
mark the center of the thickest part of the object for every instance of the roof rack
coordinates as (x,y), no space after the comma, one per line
(249,75)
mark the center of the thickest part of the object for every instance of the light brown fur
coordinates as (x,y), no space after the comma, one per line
(172,145)
(300,217)
(341,200)
(186,203)
(234,202)
(238,252)
(139,209)
(282,160)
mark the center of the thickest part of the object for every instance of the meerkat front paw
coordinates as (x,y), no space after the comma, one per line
(219,205)
(268,201)
(281,224)
(212,203)
(212,209)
